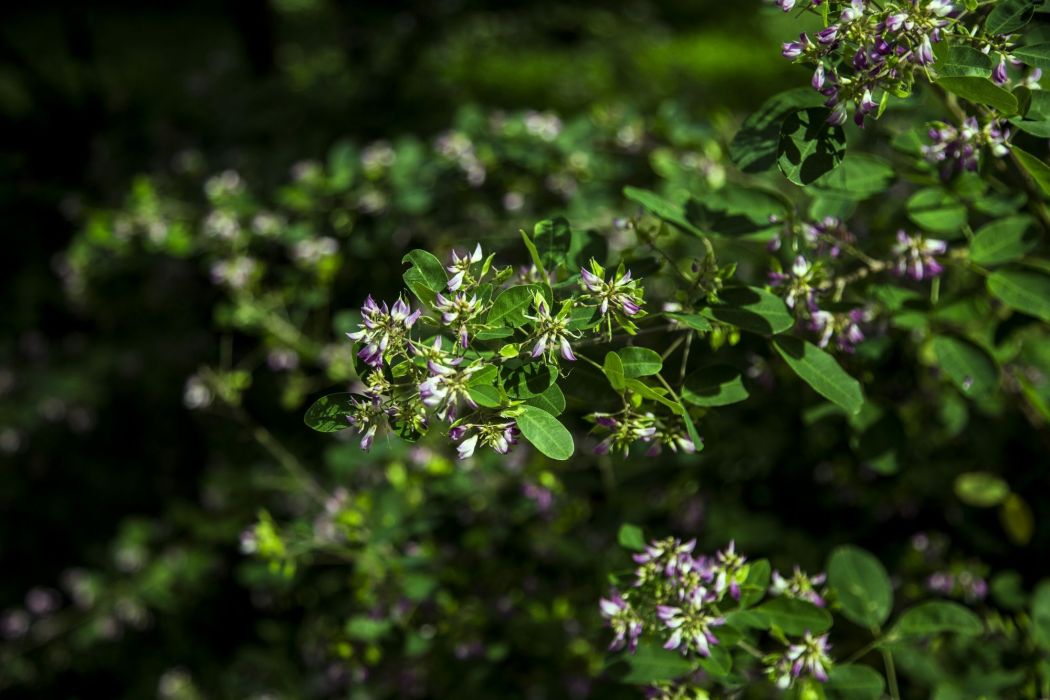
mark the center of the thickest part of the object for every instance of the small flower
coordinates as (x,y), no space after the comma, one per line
(916,256)
(729,570)
(690,624)
(794,49)
(458,312)
(460,267)
(799,285)
(810,656)
(844,328)
(799,586)
(383,329)
(999,76)
(552,332)
(446,388)
(620,292)
(366,416)
(625,622)
(623,430)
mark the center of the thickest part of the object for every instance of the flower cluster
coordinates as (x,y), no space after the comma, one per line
(917,256)
(621,430)
(809,656)
(413,375)
(958,149)
(683,600)
(870,50)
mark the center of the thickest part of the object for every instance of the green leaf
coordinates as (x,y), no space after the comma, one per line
(860,176)
(553,238)
(935,617)
(366,629)
(969,367)
(631,537)
(552,400)
(510,306)
(1004,240)
(754,148)
(640,362)
(661,208)
(754,587)
(719,662)
(523,380)
(535,254)
(795,616)
(1034,55)
(328,413)
(935,209)
(863,587)
(645,391)
(613,368)
(980,91)
(1024,290)
(650,663)
(1008,16)
(752,309)
(694,321)
(1036,128)
(820,370)
(426,277)
(960,60)
(717,385)
(856,682)
(1041,614)
(1035,167)
(981,489)
(809,146)
(545,432)
(483,388)
(736,209)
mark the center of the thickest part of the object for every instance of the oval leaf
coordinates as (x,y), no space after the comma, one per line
(1035,167)
(752,309)
(809,146)
(1023,290)
(936,617)
(1004,240)
(981,489)
(545,433)
(980,91)
(328,413)
(509,307)
(795,616)
(640,362)
(552,400)
(969,367)
(856,682)
(717,385)
(820,370)
(863,588)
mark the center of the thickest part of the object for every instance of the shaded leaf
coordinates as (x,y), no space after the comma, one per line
(863,587)
(717,385)
(328,413)
(752,309)
(969,367)
(1004,240)
(935,617)
(809,146)
(981,489)
(820,370)
(1024,290)
(795,616)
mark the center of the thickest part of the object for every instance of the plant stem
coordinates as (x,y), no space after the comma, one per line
(891,674)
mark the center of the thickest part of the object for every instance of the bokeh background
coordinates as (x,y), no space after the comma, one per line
(197,195)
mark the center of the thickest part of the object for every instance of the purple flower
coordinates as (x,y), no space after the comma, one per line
(828,35)
(916,256)
(794,49)
(999,76)
(460,267)
(624,621)
(383,329)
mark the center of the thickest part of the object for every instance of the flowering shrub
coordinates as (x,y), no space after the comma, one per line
(788,334)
